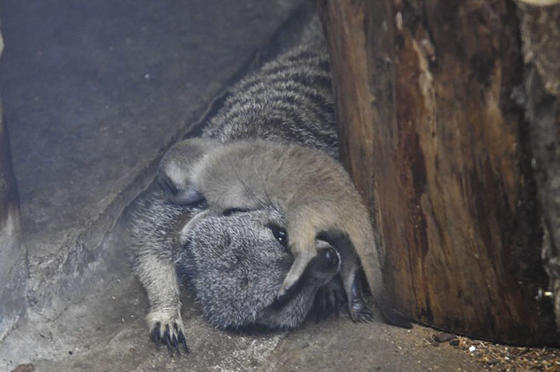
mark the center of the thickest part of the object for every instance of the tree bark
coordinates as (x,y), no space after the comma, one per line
(540,32)
(440,151)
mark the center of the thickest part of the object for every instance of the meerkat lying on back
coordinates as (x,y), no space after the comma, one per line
(230,264)
(308,187)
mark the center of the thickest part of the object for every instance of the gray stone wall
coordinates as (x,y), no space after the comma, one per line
(12,254)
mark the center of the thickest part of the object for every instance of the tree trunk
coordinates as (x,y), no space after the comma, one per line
(540,31)
(440,151)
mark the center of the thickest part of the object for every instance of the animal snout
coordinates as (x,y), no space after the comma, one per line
(326,264)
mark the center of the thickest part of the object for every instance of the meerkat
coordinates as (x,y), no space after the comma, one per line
(289,100)
(234,264)
(308,187)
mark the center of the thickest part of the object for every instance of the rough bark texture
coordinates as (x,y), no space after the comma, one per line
(540,32)
(440,151)
(12,255)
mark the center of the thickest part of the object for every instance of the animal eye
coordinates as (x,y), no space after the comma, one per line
(279,233)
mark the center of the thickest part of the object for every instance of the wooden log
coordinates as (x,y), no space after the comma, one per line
(440,152)
(540,33)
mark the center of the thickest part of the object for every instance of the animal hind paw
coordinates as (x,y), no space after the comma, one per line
(360,312)
(168,330)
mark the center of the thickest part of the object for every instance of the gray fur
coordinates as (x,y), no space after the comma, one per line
(245,271)
(234,263)
(308,187)
(289,100)
(154,250)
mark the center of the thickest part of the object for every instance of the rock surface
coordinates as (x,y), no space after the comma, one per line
(95,91)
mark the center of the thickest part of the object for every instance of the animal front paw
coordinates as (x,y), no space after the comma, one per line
(167,329)
(359,311)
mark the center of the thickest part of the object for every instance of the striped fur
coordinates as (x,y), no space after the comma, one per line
(289,100)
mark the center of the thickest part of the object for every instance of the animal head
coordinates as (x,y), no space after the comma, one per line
(237,263)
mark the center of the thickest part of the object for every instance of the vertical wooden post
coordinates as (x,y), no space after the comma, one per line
(540,32)
(440,151)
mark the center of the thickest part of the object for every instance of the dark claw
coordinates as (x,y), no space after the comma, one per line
(172,342)
(175,341)
(366,316)
(154,335)
(183,341)
(359,311)
(167,340)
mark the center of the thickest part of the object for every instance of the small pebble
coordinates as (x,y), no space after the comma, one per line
(472,348)
(454,342)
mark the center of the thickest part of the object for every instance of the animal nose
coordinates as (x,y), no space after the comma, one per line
(331,257)
(327,262)
(324,266)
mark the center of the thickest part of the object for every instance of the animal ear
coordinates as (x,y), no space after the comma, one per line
(179,192)
(167,185)
(176,169)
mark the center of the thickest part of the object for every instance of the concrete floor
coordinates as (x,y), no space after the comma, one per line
(94,92)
